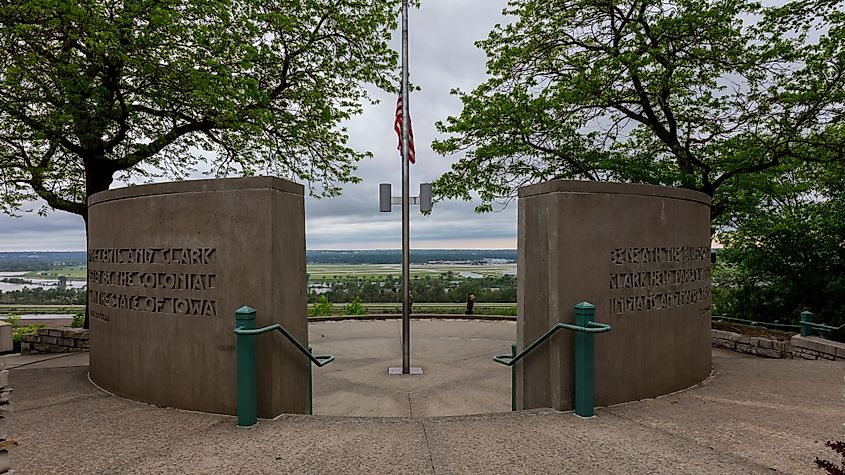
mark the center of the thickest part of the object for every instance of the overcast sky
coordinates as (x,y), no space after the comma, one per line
(442,57)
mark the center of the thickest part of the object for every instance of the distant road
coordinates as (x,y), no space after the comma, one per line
(6,309)
(40,308)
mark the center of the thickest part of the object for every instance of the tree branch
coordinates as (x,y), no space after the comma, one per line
(148,150)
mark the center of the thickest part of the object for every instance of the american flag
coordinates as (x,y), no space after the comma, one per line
(397,126)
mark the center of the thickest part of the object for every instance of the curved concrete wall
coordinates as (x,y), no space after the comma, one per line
(641,255)
(168,265)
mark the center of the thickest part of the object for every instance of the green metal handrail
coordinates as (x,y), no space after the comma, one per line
(822,326)
(726,318)
(807,325)
(247,390)
(318,360)
(592,327)
(584,357)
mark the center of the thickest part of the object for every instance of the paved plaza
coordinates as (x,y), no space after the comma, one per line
(753,415)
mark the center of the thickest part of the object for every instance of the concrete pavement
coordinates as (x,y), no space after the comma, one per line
(753,416)
(459,377)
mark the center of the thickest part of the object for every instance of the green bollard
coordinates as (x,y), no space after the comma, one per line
(513,378)
(584,362)
(806,317)
(246,358)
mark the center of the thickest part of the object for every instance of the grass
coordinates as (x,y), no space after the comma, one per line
(494,308)
(71,272)
(380,271)
(39,309)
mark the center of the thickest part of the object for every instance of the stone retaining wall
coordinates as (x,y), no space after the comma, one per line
(809,348)
(55,340)
(752,345)
(815,348)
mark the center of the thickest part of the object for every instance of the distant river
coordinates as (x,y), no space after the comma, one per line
(44,283)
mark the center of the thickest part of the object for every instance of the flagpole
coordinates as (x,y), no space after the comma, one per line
(406,242)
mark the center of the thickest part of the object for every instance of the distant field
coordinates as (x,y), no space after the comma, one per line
(338,271)
(371,271)
(72,273)
(494,308)
(6,309)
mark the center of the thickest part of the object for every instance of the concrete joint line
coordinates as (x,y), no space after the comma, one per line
(63,355)
(61,403)
(428,448)
(692,442)
(446,383)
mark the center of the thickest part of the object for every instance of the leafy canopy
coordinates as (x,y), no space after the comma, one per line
(92,90)
(788,255)
(713,95)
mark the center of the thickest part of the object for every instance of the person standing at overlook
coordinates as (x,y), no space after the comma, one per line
(470,303)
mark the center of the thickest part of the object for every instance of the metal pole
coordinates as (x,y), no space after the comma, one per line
(310,386)
(513,378)
(247,394)
(806,317)
(406,246)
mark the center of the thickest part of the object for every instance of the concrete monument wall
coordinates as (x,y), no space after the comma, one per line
(641,255)
(168,265)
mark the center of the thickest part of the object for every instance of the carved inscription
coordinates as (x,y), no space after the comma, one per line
(174,255)
(649,255)
(153,280)
(128,279)
(155,304)
(656,278)
(100,316)
(659,301)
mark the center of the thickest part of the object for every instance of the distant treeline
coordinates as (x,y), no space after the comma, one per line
(446,288)
(42,296)
(28,261)
(394,256)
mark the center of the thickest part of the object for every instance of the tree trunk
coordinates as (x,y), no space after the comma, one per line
(99,175)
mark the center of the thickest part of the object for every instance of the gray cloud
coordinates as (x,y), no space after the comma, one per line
(58,231)
(442,57)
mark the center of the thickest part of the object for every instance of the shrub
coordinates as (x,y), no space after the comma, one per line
(356,307)
(323,308)
(831,467)
(78,321)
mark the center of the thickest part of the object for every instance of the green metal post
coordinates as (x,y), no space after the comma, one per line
(806,317)
(584,362)
(513,378)
(247,385)
(310,388)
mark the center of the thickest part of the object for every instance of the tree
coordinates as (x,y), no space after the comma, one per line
(789,254)
(93,90)
(718,96)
